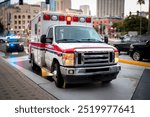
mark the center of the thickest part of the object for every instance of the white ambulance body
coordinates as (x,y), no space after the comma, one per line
(69,48)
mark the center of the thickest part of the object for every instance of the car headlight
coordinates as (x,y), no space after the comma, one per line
(68,59)
(7,44)
(116,57)
(131,46)
(21,44)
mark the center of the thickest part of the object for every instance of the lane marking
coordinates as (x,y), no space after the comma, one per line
(144,64)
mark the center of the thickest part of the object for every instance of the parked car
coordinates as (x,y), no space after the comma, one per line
(140,51)
(11,45)
(124,45)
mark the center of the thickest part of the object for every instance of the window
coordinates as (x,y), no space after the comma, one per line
(19,27)
(50,36)
(19,22)
(19,16)
(15,22)
(23,22)
(76,34)
(29,16)
(23,16)
(15,17)
(15,27)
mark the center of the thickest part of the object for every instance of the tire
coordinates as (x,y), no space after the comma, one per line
(59,81)
(137,56)
(33,65)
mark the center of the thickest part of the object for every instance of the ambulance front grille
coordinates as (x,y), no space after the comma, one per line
(94,58)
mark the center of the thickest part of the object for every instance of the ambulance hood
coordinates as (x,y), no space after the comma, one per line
(73,46)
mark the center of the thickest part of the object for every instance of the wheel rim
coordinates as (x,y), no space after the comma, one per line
(136,56)
(55,74)
(31,62)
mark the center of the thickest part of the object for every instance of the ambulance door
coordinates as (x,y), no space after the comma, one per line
(49,48)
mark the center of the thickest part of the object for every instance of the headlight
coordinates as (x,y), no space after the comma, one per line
(116,57)
(21,44)
(7,44)
(131,46)
(68,59)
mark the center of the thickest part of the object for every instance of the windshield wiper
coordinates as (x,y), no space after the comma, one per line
(67,40)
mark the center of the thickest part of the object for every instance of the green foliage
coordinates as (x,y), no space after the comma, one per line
(141,2)
(132,23)
(119,26)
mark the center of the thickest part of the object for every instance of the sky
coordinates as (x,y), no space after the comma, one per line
(129,6)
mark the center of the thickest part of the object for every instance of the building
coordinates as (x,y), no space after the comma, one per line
(62,5)
(5,3)
(74,11)
(44,6)
(104,25)
(16,18)
(57,5)
(53,5)
(113,8)
(85,9)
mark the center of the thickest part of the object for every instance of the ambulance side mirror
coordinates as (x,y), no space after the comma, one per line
(43,39)
(106,40)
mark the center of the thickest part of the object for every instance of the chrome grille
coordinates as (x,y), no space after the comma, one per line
(95,58)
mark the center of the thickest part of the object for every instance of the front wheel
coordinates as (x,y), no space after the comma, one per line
(59,81)
(33,65)
(137,56)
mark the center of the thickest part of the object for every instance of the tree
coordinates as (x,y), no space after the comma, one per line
(132,23)
(1,28)
(141,2)
(119,26)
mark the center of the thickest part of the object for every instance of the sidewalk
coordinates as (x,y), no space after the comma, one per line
(14,85)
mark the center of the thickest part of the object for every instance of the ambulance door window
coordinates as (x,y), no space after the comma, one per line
(50,36)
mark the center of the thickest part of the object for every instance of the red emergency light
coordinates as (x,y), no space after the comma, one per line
(88,19)
(46,17)
(61,18)
(75,19)
(68,19)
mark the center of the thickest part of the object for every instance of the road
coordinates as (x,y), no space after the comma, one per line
(120,89)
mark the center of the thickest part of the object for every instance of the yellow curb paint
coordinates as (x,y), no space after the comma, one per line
(44,72)
(145,64)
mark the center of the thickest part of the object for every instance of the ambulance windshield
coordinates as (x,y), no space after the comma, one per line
(76,34)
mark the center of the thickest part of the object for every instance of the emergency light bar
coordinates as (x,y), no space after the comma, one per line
(68,19)
(75,19)
(61,18)
(46,17)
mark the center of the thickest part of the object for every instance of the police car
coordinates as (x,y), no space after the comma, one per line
(12,44)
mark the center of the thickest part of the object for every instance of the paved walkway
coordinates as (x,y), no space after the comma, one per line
(14,85)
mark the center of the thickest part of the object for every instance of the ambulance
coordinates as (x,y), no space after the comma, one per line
(68,47)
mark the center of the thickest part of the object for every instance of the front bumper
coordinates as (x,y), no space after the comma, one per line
(15,48)
(89,74)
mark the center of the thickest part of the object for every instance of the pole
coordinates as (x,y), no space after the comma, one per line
(148,32)
(140,20)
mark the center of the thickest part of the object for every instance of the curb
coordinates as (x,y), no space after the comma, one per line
(144,64)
